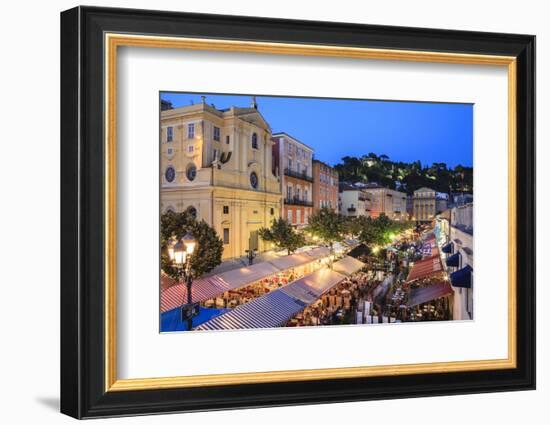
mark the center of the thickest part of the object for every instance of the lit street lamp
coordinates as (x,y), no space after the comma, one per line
(180,252)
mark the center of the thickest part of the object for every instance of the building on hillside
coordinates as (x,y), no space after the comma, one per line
(427,203)
(325,186)
(354,201)
(392,203)
(293,163)
(217,164)
(459,261)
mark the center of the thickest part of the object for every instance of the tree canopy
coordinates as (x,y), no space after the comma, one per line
(327,225)
(380,230)
(283,235)
(208,253)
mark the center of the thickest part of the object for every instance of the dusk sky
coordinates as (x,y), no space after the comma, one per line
(334,128)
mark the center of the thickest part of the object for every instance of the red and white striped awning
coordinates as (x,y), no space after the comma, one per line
(203,289)
(425,268)
(174,295)
(166,281)
(429,293)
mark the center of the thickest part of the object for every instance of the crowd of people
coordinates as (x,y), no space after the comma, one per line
(368,296)
(339,305)
(245,294)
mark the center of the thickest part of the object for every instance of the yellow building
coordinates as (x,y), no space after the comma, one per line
(427,203)
(392,203)
(217,164)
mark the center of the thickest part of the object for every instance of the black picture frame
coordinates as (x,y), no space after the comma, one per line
(82,212)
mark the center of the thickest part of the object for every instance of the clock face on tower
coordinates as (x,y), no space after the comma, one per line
(170,174)
(254,180)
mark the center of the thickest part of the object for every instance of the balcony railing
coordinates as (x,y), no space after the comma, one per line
(301,176)
(297,201)
(352,209)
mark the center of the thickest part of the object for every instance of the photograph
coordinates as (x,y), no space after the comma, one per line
(279,210)
(285,212)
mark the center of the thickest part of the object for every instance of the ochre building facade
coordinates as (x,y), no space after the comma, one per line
(217,164)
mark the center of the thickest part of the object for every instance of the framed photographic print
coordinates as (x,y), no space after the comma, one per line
(261,212)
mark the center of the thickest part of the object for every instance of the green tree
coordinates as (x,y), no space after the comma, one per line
(283,235)
(354,225)
(208,253)
(327,225)
(380,230)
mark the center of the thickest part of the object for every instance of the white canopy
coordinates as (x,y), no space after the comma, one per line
(348,265)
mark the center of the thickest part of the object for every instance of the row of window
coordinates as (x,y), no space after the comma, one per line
(300,153)
(190,149)
(191,174)
(289,216)
(216,135)
(299,168)
(297,193)
(323,178)
(190,132)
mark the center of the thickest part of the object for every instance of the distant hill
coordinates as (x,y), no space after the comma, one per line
(404,176)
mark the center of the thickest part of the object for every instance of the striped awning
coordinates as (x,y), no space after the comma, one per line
(429,293)
(425,268)
(429,248)
(174,295)
(268,311)
(279,306)
(166,281)
(203,289)
(246,275)
(312,286)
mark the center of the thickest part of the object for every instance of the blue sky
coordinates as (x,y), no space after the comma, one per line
(334,128)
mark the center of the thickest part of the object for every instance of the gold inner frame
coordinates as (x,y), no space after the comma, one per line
(113,41)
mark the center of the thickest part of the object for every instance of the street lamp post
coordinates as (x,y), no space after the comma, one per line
(251,254)
(180,253)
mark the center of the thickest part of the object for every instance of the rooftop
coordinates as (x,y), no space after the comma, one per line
(294,139)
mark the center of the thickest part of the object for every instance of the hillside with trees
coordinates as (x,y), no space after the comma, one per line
(405,176)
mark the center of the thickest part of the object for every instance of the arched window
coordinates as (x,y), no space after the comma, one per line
(254,180)
(191,172)
(254,141)
(192,211)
